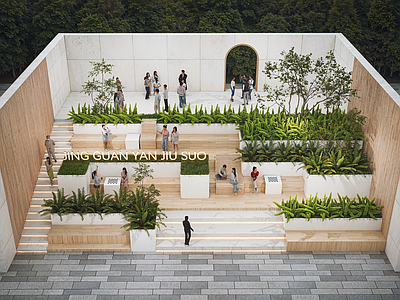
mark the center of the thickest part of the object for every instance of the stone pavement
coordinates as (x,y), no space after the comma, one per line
(201,276)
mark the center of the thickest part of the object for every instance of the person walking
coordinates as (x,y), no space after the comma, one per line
(222,173)
(188,230)
(157,100)
(165,135)
(96,178)
(251,86)
(175,139)
(254,177)
(242,79)
(165,94)
(156,82)
(234,181)
(233,87)
(124,178)
(183,76)
(181,92)
(49,169)
(49,143)
(246,88)
(147,85)
(105,131)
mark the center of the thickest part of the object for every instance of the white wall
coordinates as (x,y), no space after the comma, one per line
(393,238)
(7,244)
(202,56)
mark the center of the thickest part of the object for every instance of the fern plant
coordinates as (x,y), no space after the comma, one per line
(57,205)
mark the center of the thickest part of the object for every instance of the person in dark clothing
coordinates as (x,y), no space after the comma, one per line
(183,77)
(188,229)
(246,90)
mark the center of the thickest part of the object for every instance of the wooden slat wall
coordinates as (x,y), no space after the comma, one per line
(24,122)
(382,135)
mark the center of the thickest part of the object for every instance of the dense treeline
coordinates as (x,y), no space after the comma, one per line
(27,26)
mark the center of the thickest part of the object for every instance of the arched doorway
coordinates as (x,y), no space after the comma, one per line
(240,60)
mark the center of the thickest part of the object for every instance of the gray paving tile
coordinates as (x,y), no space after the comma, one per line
(86,285)
(296,291)
(83,297)
(281,297)
(187,292)
(302,285)
(253,297)
(110,297)
(78,292)
(332,297)
(364,297)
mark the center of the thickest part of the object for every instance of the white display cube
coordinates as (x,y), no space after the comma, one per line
(273,184)
(112,184)
(132,141)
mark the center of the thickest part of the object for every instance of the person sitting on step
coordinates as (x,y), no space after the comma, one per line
(234,181)
(222,173)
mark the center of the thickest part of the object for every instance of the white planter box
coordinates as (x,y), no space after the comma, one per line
(74,182)
(195,186)
(115,129)
(337,224)
(349,185)
(143,242)
(201,128)
(161,170)
(88,219)
(269,168)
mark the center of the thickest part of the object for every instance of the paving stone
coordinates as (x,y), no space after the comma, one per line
(305,297)
(249,278)
(328,267)
(78,292)
(82,297)
(37,278)
(86,285)
(386,285)
(303,285)
(187,292)
(281,297)
(382,291)
(329,285)
(142,297)
(324,291)
(29,298)
(110,297)
(35,285)
(185,273)
(145,278)
(272,291)
(356,278)
(332,278)
(253,297)
(214,291)
(251,285)
(359,291)
(168,297)
(245,291)
(105,292)
(226,278)
(358,284)
(345,273)
(26,292)
(119,278)
(194,285)
(143,285)
(14,278)
(296,291)
(364,297)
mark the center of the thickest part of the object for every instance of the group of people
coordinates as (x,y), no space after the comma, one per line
(247,88)
(223,174)
(97,179)
(153,83)
(119,98)
(174,138)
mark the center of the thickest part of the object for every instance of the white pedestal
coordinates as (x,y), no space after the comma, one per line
(132,141)
(141,241)
(112,184)
(273,184)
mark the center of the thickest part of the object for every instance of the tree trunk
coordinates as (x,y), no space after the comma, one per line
(13,71)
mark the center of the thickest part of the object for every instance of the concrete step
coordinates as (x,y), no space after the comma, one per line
(45,188)
(37,217)
(27,247)
(33,240)
(35,232)
(223,216)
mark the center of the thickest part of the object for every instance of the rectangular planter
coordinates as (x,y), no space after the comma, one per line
(337,224)
(201,128)
(88,219)
(143,242)
(269,168)
(195,186)
(74,182)
(349,185)
(115,129)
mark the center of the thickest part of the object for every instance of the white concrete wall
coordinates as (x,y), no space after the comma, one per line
(7,245)
(393,238)
(202,56)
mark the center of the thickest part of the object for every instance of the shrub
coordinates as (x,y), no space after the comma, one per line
(74,167)
(195,167)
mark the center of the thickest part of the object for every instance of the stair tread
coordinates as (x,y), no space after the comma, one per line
(88,247)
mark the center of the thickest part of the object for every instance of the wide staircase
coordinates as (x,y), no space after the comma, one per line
(223,230)
(36,227)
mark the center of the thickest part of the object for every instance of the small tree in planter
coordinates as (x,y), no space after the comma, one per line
(101,91)
(143,212)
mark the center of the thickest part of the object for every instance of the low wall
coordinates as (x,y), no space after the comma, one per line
(201,128)
(271,168)
(115,129)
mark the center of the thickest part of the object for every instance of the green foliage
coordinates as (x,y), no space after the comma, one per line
(58,205)
(141,172)
(329,208)
(74,167)
(241,60)
(195,167)
(303,79)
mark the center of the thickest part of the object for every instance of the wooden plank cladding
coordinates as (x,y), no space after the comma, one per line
(382,134)
(24,121)
(335,241)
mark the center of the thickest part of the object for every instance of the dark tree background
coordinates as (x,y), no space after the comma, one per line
(27,26)
(241,60)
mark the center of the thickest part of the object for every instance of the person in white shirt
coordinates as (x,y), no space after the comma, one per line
(157,100)
(233,86)
(251,85)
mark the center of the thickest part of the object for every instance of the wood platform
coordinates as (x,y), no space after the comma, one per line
(149,132)
(94,141)
(335,241)
(88,238)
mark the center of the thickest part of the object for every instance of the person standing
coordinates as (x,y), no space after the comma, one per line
(124,178)
(121,99)
(96,178)
(49,169)
(183,76)
(156,82)
(251,86)
(147,86)
(119,85)
(254,177)
(181,92)
(233,87)
(49,143)
(165,98)
(165,135)
(246,89)
(157,100)
(222,173)
(234,181)
(242,80)
(188,230)
(175,139)
(105,131)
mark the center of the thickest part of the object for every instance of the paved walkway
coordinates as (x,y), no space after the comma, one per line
(202,276)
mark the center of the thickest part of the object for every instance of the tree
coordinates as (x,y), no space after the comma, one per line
(142,171)
(13,52)
(241,60)
(101,91)
(273,23)
(300,76)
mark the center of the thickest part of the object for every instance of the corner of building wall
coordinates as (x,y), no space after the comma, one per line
(7,243)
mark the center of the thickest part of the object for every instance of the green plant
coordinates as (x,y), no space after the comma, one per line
(345,207)
(141,172)
(58,205)
(77,203)
(195,167)
(74,167)
(96,202)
